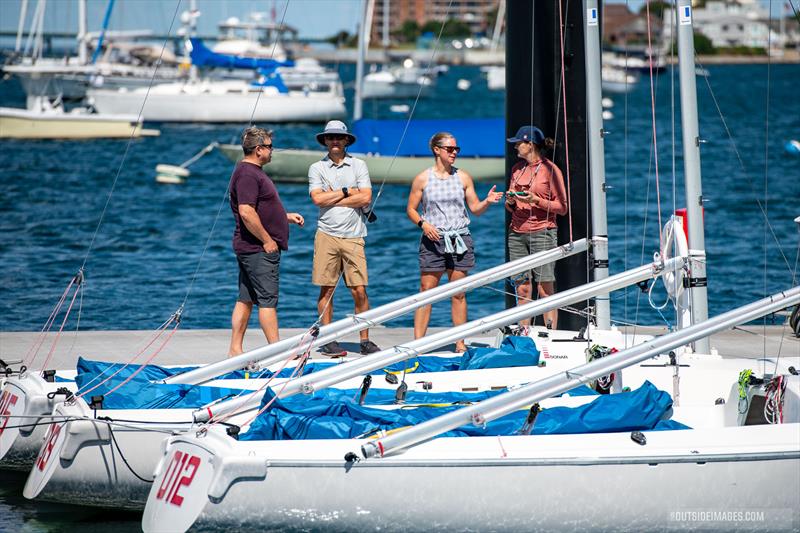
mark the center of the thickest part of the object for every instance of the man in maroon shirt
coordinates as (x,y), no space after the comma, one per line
(262,231)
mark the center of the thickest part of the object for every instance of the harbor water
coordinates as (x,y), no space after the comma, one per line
(161,246)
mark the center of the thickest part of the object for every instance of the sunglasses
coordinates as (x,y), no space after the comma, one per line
(267,146)
(335,137)
(451,149)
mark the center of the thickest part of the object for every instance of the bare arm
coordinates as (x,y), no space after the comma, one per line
(254,226)
(475,205)
(356,198)
(414,198)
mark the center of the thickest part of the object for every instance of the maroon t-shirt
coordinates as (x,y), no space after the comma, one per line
(250,185)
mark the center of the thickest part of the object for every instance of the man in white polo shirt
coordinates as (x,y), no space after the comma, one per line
(339,185)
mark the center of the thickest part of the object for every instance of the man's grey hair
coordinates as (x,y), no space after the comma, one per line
(254,136)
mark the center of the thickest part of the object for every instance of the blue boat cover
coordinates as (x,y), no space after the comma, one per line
(202,56)
(513,351)
(140,392)
(330,414)
(477,137)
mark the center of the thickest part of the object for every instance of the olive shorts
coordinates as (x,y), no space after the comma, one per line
(524,244)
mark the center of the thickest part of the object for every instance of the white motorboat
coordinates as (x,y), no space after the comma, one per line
(495,77)
(617,80)
(47,120)
(614,79)
(403,81)
(222,101)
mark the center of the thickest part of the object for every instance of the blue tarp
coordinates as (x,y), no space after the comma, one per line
(202,56)
(140,392)
(513,351)
(328,415)
(478,137)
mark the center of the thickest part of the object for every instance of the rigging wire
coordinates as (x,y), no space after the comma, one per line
(766,175)
(411,112)
(653,115)
(413,106)
(80,276)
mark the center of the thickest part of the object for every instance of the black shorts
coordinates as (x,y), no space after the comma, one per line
(432,257)
(258,278)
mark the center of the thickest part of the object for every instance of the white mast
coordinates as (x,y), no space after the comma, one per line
(23,11)
(363,44)
(330,376)
(691,167)
(521,398)
(83,48)
(597,165)
(278,351)
(385,24)
(498,25)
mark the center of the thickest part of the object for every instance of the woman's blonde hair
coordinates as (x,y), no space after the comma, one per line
(437,139)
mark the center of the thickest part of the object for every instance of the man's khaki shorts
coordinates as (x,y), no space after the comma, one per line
(332,255)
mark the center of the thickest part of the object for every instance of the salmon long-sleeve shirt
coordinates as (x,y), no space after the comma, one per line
(542,179)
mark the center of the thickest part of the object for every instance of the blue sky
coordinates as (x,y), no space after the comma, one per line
(314,18)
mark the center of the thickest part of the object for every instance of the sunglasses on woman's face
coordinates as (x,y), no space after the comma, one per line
(451,149)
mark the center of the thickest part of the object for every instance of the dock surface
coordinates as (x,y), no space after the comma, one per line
(198,346)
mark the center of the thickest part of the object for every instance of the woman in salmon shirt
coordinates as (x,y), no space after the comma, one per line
(536,194)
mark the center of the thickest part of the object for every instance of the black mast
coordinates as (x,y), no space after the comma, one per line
(533,90)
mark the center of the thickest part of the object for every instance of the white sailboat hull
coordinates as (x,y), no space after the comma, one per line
(544,483)
(191,105)
(26,124)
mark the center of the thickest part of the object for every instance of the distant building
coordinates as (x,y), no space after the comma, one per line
(622,27)
(730,23)
(472,12)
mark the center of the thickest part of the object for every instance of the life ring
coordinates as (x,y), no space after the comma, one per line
(674,239)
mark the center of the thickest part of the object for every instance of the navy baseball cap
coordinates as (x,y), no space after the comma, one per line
(528,134)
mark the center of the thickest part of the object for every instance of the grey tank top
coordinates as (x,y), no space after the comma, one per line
(443,202)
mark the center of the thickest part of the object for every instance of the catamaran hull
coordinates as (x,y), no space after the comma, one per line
(227,107)
(292,165)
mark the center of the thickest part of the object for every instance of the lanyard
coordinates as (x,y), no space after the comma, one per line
(535,172)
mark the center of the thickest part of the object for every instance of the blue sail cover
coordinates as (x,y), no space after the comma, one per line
(140,392)
(330,414)
(513,351)
(202,56)
(477,137)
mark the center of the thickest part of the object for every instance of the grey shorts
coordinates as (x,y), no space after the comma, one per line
(524,244)
(258,278)
(432,257)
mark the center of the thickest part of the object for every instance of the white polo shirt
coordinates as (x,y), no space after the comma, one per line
(347,222)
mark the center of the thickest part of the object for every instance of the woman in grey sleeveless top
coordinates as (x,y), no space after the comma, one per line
(444,192)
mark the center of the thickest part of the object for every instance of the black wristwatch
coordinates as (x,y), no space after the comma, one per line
(346,192)
(420,223)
